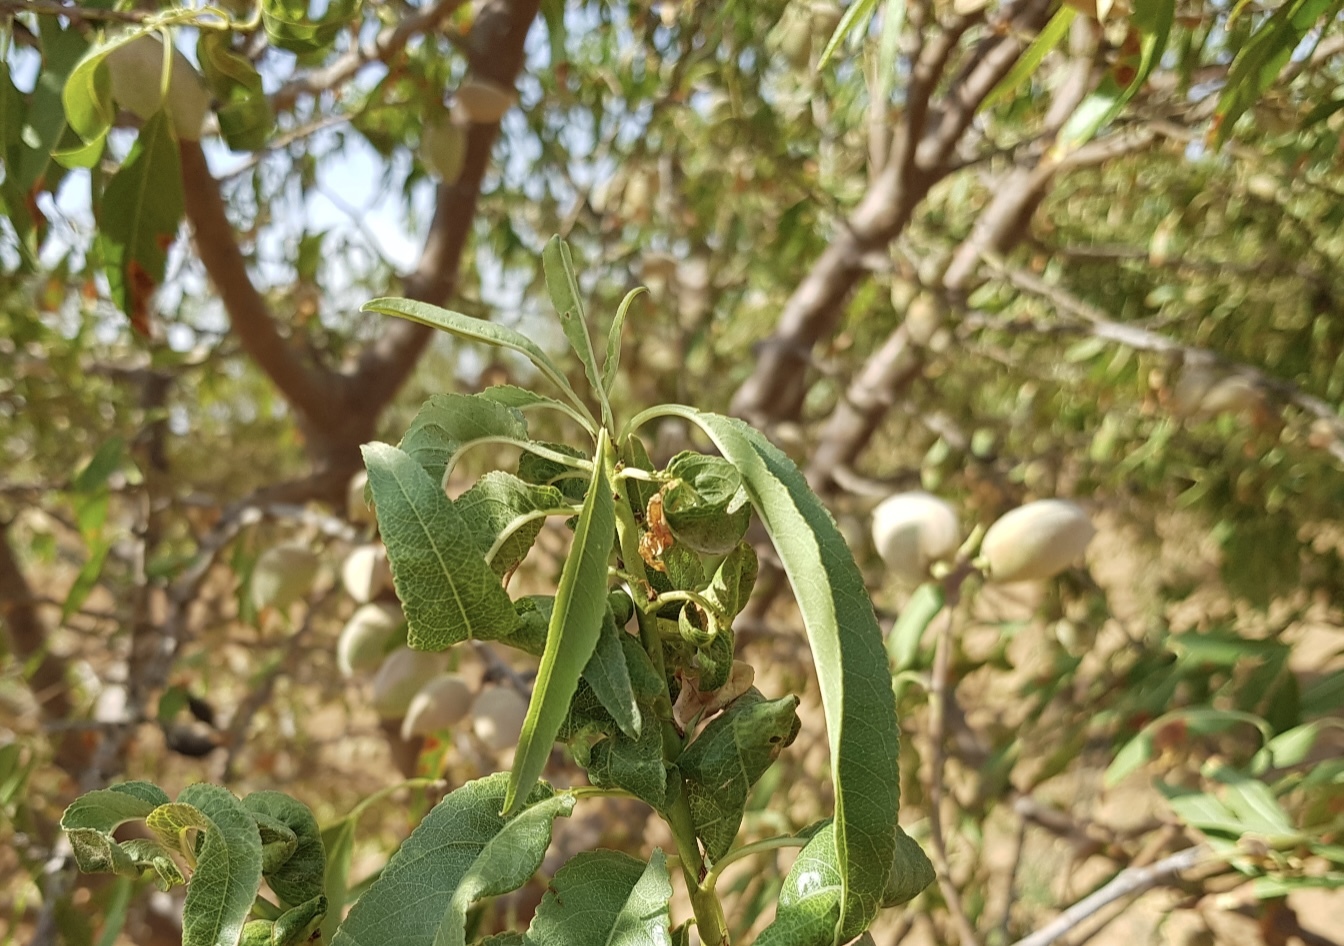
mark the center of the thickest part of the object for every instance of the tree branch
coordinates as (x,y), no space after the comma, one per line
(303,384)
(775,389)
(496,44)
(1134,880)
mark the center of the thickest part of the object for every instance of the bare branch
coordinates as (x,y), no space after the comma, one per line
(301,383)
(1127,883)
(775,390)
(496,44)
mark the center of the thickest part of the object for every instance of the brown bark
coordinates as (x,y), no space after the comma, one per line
(28,639)
(921,155)
(338,411)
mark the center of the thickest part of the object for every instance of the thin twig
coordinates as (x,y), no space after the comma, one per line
(1134,880)
(938,697)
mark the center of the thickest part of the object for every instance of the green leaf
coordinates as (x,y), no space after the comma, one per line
(338,843)
(91,819)
(609,677)
(141,210)
(855,682)
(856,18)
(446,421)
(244,111)
(87,99)
(505,515)
(808,911)
(449,593)
(1027,64)
(726,759)
(903,641)
(228,866)
(576,624)
(612,363)
(1154,19)
(288,25)
(463,849)
(535,468)
(1260,59)
(633,764)
(522,399)
(705,505)
(733,580)
(605,897)
(911,871)
(563,286)
(299,878)
(465,326)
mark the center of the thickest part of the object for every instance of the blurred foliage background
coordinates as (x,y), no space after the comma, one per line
(997,251)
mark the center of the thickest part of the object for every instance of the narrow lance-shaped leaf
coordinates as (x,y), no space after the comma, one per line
(612,363)
(855,683)
(576,623)
(605,897)
(448,592)
(563,286)
(478,330)
(462,850)
(138,218)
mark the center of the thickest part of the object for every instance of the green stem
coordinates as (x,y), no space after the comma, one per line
(747,850)
(705,902)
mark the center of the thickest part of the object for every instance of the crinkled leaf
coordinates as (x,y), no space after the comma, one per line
(288,25)
(705,504)
(478,330)
(605,897)
(448,592)
(715,660)
(446,421)
(299,877)
(576,624)
(533,468)
(91,819)
(244,111)
(534,620)
(138,219)
(500,505)
(228,862)
(855,682)
(733,580)
(148,853)
(726,759)
(634,764)
(462,850)
(609,677)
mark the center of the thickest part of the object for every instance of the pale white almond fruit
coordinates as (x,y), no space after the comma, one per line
(443,148)
(357,510)
(912,531)
(366,637)
(402,674)
(497,717)
(441,704)
(1036,541)
(366,573)
(282,575)
(136,73)
(483,101)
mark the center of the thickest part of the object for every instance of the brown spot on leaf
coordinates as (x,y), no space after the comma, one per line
(140,287)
